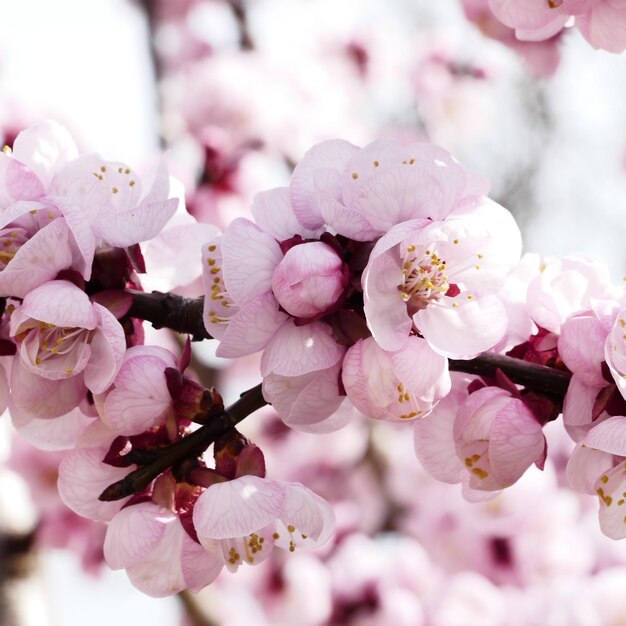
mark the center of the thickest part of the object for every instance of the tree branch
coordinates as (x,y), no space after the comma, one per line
(191,446)
(167,310)
(534,377)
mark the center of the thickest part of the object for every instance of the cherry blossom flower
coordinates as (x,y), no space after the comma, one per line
(389,385)
(487,440)
(159,556)
(67,345)
(242,519)
(59,206)
(441,278)
(363,192)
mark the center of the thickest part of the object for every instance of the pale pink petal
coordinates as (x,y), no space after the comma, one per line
(344,220)
(39,260)
(249,257)
(18,182)
(251,327)
(463,331)
(309,514)
(334,422)
(83,477)
(385,310)
(296,350)
(609,436)
(578,406)
(585,465)
(122,229)
(45,147)
(61,303)
(477,412)
(160,573)
(273,212)
(108,346)
(61,433)
(434,439)
(18,210)
(516,442)
(237,508)
(305,399)
(36,397)
(604,26)
(319,169)
(581,346)
(199,567)
(134,532)
(140,398)
(173,257)
(610,488)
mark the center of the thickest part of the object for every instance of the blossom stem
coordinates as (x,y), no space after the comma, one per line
(168,310)
(539,378)
(191,446)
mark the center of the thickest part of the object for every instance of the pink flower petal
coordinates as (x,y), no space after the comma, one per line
(61,303)
(252,327)
(249,257)
(237,508)
(516,442)
(319,169)
(134,532)
(39,260)
(296,350)
(273,212)
(306,399)
(585,465)
(83,477)
(108,346)
(463,331)
(434,440)
(581,346)
(140,398)
(609,436)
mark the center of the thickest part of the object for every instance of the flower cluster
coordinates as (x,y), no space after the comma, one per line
(373,285)
(359,280)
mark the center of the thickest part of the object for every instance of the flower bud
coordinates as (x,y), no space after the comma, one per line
(309,280)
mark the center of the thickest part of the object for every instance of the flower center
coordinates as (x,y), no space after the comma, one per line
(11,240)
(424,278)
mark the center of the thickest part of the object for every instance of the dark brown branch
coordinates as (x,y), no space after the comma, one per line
(167,310)
(534,377)
(191,446)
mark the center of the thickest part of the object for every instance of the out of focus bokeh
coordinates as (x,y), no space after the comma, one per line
(236,91)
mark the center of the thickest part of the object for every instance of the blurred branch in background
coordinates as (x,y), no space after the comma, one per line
(22,589)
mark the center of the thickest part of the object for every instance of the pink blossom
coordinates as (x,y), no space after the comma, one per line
(564,286)
(441,279)
(242,519)
(389,385)
(59,206)
(542,57)
(363,192)
(241,308)
(309,280)
(598,466)
(601,22)
(159,556)
(495,437)
(312,402)
(67,345)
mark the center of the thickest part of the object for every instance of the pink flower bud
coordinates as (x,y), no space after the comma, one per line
(309,280)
